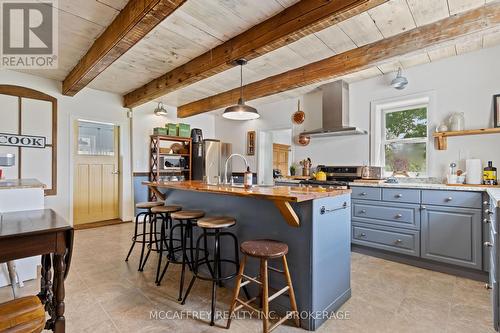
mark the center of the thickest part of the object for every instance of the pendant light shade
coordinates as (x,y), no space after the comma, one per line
(241,111)
(160,110)
(400,82)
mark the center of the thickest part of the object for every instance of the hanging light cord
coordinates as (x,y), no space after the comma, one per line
(241,83)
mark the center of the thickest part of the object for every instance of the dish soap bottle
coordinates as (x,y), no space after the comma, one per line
(247,179)
(490,174)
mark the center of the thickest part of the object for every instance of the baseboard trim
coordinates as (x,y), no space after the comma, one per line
(99,224)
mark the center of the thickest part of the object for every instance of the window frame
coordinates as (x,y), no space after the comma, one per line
(378,140)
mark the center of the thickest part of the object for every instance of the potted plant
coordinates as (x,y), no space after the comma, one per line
(293,169)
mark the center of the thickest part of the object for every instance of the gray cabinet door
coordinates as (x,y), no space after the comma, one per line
(452,235)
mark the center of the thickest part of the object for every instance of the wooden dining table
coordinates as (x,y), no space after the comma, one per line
(41,232)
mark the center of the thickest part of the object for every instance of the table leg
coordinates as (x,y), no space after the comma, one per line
(59,268)
(11,267)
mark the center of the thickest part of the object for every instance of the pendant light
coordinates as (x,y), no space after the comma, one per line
(160,110)
(399,82)
(241,111)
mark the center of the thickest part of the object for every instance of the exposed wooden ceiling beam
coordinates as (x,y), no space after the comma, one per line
(133,23)
(459,26)
(293,23)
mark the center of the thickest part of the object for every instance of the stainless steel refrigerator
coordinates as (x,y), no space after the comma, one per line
(209,158)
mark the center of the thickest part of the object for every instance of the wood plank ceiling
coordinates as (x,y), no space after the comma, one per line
(200,25)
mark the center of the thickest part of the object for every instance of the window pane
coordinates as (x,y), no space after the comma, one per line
(406,124)
(409,157)
(95,139)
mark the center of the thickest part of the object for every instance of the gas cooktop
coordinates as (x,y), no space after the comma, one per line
(325,183)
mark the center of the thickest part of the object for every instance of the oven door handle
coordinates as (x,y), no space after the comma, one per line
(323,210)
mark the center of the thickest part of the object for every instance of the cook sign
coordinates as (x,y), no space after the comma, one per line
(28,141)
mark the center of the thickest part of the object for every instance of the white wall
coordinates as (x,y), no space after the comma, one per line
(88,104)
(463,83)
(144,120)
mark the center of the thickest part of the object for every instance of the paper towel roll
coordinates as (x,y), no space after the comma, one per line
(474,170)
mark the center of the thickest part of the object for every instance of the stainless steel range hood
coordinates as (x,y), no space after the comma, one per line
(335,112)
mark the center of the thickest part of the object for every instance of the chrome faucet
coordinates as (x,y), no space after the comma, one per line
(226,179)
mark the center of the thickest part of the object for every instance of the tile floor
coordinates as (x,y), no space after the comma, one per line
(105,294)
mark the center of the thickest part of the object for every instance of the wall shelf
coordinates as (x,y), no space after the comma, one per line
(441,138)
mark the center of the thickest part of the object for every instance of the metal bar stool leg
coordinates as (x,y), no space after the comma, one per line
(135,235)
(152,231)
(184,260)
(217,271)
(162,241)
(195,265)
(143,245)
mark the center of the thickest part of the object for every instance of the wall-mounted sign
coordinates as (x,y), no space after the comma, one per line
(27,141)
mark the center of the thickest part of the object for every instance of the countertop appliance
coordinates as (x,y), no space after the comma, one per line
(209,158)
(372,172)
(172,163)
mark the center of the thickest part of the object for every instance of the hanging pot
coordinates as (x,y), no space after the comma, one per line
(299,115)
(302,140)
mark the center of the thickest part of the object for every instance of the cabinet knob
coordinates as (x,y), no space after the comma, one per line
(399,195)
(449,199)
(398,216)
(398,241)
(487,286)
(423,207)
(487,244)
(487,211)
(486,203)
(486,221)
(363,211)
(362,234)
(363,194)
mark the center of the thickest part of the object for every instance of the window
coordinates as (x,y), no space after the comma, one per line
(95,139)
(400,143)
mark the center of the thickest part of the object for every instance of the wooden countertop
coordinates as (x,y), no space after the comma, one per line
(31,222)
(9,184)
(277,193)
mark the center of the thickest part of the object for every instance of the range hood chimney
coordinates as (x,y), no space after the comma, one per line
(335,112)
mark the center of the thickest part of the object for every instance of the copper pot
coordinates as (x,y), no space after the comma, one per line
(299,115)
(302,140)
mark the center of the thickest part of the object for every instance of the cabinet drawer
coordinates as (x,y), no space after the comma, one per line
(387,238)
(452,198)
(390,214)
(401,195)
(366,193)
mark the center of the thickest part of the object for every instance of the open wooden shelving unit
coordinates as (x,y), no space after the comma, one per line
(441,138)
(154,157)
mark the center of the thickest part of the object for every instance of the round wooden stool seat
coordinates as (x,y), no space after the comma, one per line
(188,214)
(166,209)
(149,204)
(216,222)
(25,314)
(264,248)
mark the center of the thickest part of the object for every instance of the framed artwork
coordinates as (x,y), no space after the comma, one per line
(251,143)
(496,110)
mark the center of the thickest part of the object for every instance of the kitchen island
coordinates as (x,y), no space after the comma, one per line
(315,224)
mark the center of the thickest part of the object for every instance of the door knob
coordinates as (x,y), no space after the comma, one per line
(487,286)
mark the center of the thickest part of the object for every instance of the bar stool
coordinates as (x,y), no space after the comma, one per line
(212,226)
(164,213)
(147,216)
(187,219)
(264,250)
